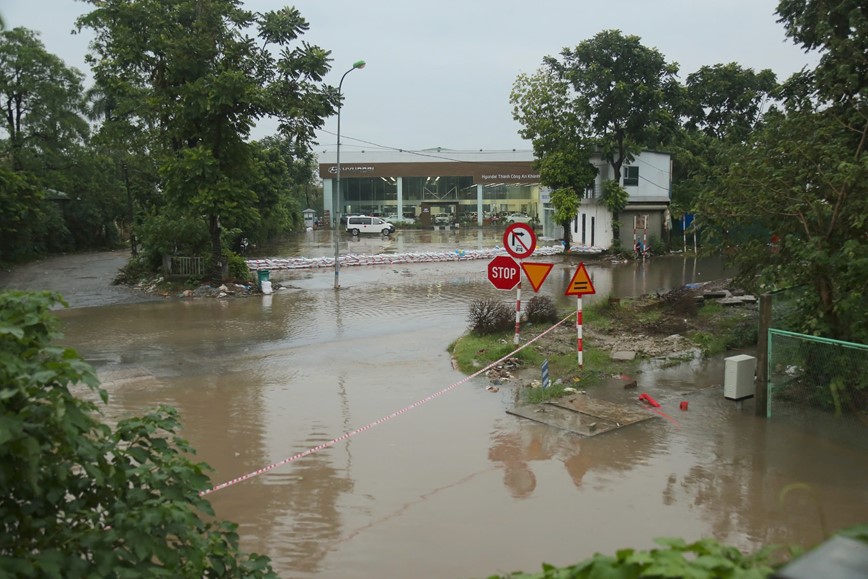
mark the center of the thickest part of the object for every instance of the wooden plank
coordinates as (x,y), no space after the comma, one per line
(582,415)
(611,411)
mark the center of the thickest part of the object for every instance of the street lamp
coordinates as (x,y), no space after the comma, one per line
(337,195)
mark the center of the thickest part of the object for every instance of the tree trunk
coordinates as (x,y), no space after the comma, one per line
(568,241)
(825,292)
(616,215)
(216,274)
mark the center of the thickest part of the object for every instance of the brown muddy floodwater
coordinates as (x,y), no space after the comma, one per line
(454,487)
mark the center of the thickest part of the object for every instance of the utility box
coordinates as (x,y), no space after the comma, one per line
(262,275)
(738,379)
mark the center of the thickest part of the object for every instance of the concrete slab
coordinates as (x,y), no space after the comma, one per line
(624,355)
(583,415)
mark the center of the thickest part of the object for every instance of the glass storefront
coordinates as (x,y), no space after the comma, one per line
(379,196)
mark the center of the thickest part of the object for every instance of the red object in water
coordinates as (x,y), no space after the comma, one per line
(649,400)
(684,405)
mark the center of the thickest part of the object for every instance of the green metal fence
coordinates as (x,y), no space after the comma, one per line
(809,372)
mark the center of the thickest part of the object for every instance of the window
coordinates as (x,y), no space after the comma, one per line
(631,176)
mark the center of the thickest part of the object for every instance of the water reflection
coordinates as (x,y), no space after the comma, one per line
(514,450)
(739,460)
(257,380)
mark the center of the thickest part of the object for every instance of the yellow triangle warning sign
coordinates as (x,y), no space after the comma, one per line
(536,273)
(581,283)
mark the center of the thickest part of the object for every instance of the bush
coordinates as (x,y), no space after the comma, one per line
(238,270)
(657,246)
(136,269)
(541,309)
(489,316)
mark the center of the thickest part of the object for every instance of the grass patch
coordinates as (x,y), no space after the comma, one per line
(472,352)
(602,314)
(711,310)
(540,395)
(733,328)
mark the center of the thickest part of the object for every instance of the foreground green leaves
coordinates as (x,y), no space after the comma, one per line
(703,559)
(79,498)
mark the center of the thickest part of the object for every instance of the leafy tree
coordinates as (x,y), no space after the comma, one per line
(80,498)
(609,94)
(624,93)
(566,205)
(188,73)
(839,31)
(802,177)
(560,141)
(722,105)
(42,100)
(725,101)
(803,180)
(30,224)
(570,173)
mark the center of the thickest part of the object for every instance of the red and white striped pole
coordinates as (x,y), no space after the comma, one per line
(645,236)
(517,311)
(579,329)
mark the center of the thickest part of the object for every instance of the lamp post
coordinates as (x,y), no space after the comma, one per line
(337,195)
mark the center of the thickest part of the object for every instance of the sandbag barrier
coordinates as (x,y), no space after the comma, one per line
(278,263)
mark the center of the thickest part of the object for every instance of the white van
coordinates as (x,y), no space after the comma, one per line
(357,224)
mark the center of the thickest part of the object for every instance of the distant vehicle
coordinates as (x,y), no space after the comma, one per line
(518,218)
(393,218)
(357,224)
(442,219)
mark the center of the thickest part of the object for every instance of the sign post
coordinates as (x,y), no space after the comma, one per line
(519,240)
(580,285)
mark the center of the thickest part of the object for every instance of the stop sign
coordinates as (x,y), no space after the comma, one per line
(504,272)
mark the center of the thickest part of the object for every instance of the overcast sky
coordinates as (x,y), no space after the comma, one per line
(439,72)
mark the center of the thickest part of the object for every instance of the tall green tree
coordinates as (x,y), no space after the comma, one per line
(625,93)
(802,180)
(839,32)
(722,105)
(725,101)
(192,76)
(802,177)
(541,104)
(42,100)
(609,95)
(30,224)
(80,498)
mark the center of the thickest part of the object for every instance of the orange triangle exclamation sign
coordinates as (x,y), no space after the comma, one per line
(536,273)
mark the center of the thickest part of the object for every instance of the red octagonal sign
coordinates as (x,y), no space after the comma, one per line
(504,272)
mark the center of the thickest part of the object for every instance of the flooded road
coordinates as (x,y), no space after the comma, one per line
(454,487)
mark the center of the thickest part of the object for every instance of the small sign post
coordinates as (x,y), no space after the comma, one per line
(546,382)
(519,240)
(580,285)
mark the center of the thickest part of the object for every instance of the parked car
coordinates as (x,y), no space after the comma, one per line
(394,218)
(442,219)
(518,218)
(357,224)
